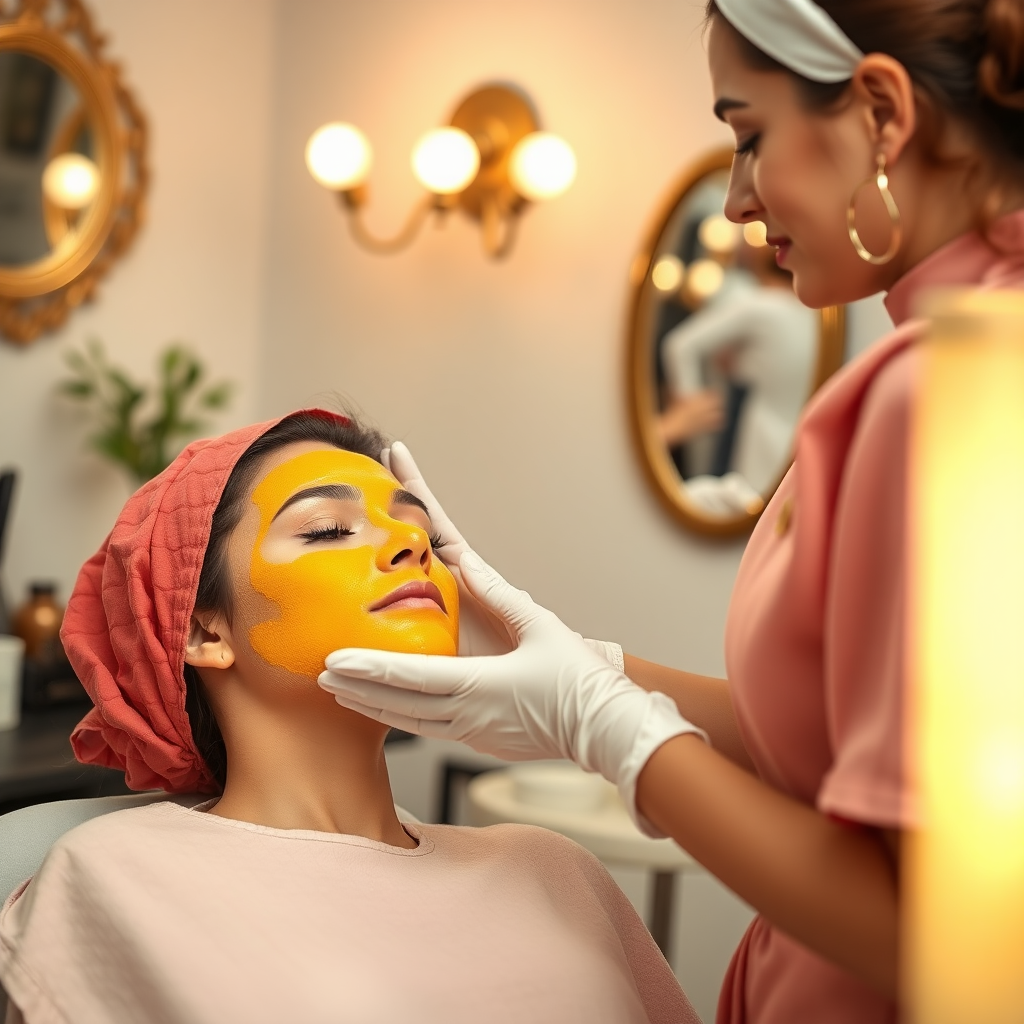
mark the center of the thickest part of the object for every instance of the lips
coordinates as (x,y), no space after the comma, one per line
(781,245)
(419,594)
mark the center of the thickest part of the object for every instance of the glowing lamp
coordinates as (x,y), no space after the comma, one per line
(755,234)
(965,864)
(339,156)
(445,161)
(542,166)
(717,234)
(667,273)
(704,278)
(489,157)
(71,181)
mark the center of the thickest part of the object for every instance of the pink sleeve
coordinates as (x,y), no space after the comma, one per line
(865,616)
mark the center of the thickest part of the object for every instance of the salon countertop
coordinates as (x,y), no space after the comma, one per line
(36,761)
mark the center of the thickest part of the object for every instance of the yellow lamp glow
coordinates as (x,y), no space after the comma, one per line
(717,234)
(71,181)
(445,160)
(339,156)
(667,273)
(965,866)
(704,278)
(755,234)
(542,166)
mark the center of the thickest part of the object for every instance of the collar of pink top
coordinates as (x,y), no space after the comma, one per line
(993,261)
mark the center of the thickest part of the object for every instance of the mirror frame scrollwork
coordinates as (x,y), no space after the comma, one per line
(654,453)
(39,296)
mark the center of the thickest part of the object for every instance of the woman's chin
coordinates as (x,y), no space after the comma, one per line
(414,637)
(812,291)
(818,289)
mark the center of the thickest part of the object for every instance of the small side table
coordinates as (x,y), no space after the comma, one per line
(607,832)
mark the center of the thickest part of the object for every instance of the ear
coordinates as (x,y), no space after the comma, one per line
(885,90)
(209,642)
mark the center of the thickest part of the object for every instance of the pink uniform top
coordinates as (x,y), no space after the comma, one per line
(816,635)
(163,913)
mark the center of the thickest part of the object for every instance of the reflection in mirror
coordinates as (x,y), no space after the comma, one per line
(735,355)
(48,177)
(724,358)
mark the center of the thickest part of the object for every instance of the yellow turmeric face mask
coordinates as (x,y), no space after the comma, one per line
(346,556)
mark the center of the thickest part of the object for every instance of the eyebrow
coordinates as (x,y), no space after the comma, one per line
(725,104)
(408,498)
(340,492)
(345,492)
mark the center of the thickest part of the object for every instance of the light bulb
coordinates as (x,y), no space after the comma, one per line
(705,277)
(667,273)
(445,160)
(542,165)
(71,181)
(339,156)
(755,234)
(717,234)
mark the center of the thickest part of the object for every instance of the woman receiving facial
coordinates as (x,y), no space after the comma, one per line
(881,142)
(329,549)
(296,892)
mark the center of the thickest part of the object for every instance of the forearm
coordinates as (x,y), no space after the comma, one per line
(703,700)
(829,886)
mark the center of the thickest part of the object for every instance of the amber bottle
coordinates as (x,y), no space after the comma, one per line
(37,622)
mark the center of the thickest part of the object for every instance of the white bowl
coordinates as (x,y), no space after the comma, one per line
(559,787)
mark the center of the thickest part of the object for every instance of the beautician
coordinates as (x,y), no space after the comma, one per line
(882,143)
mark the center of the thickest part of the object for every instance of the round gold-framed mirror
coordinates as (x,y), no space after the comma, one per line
(722,357)
(73,171)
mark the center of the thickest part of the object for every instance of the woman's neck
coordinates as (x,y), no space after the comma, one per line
(960,195)
(318,767)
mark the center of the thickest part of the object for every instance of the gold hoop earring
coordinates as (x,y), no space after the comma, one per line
(881,181)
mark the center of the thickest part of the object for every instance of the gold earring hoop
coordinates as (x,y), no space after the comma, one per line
(881,181)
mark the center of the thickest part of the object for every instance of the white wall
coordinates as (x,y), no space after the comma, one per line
(202,73)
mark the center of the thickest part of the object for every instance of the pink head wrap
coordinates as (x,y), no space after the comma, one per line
(128,619)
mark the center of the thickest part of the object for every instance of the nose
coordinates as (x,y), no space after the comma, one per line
(406,545)
(742,203)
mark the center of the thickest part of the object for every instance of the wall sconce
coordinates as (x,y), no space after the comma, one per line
(490,162)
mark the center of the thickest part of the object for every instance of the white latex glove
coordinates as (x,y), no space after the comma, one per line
(551,697)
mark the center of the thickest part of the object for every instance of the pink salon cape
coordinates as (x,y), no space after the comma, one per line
(815,633)
(165,914)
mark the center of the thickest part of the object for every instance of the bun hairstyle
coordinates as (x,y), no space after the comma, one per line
(966,58)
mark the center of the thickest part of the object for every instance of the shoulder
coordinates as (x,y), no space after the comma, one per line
(882,432)
(891,391)
(123,833)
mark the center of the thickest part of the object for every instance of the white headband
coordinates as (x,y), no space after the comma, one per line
(798,34)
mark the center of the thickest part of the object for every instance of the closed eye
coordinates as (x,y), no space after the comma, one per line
(748,145)
(331,531)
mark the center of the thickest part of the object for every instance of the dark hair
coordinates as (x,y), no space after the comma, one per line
(965,56)
(214,592)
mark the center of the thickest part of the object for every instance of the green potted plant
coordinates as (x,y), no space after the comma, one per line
(141,427)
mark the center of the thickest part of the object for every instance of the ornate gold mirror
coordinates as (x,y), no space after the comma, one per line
(722,357)
(73,169)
